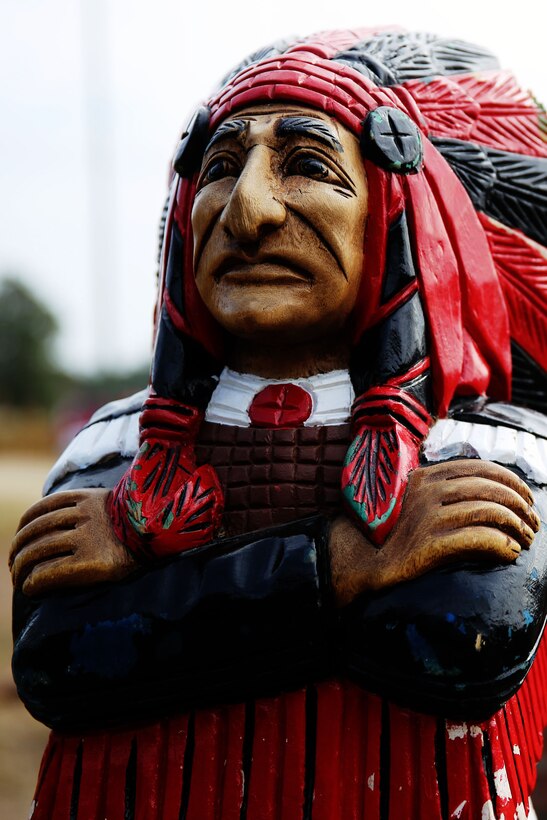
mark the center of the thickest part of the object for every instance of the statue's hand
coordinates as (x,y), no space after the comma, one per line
(459,510)
(67,540)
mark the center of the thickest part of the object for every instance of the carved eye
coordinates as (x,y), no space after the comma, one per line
(311,167)
(219,168)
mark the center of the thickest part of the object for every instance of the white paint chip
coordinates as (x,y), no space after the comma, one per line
(457,731)
(501,781)
(458,811)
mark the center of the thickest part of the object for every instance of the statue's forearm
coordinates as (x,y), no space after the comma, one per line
(456,641)
(223,622)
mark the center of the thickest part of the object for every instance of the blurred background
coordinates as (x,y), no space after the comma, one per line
(93,97)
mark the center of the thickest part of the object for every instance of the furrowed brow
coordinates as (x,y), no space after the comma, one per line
(233,129)
(309,127)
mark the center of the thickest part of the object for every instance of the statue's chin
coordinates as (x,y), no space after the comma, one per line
(281,314)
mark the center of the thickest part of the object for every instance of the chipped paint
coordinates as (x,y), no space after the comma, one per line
(487,812)
(475,731)
(516,750)
(528,618)
(458,811)
(370,782)
(501,782)
(457,730)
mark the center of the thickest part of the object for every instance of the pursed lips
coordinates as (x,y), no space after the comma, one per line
(262,269)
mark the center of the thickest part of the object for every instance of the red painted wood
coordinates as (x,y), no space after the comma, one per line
(293,756)
(524,763)
(175,746)
(413,789)
(91,805)
(522,268)
(461,251)
(506,798)
(207,765)
(231,791)
(508,757)
(149,771)
(508,117)
(352,773)
(280,405)
(263,782)
(479,793)
(457,771)
(276,786)
(329,783)
(63,797)
(447,108)
(48,778)
(372,708)
(120,749)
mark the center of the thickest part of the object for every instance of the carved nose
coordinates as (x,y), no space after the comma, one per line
(253,208)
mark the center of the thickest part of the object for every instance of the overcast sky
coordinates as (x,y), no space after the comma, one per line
(92,100)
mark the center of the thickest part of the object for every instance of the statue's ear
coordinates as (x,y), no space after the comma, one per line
(391,140)
(192,144)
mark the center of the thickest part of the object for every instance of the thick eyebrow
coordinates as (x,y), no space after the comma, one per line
(308,127)
(233,129)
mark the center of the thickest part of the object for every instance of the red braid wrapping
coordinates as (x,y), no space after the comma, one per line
(164,504)
(388,426)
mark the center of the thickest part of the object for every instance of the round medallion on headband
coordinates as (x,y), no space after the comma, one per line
(192,144)
(391,140)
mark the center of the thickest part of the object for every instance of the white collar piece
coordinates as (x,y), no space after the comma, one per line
(331,393)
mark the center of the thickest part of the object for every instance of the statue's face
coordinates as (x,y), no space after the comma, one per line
(279,221)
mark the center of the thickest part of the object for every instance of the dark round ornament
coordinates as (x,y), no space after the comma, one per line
(192,144)
(391,140)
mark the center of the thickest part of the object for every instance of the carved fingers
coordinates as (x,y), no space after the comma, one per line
(472,494)
(65,540)
(459,510)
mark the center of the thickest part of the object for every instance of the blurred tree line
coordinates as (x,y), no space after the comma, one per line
(29,375)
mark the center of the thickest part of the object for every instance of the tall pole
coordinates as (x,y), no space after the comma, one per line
(101,186)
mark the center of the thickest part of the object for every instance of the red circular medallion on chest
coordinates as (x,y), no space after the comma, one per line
(280,405)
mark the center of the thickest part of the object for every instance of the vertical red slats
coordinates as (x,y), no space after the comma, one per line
(401,781)
(327,792)
(479,791)
(424,729)
(523,760)
(293,758)
(176,734)
(353,775)
(207,766)
(231,792)
(533,735)
(48,778)
(413,787)
(468,791)
(262,787)
(508,756)
(276,786)
(457,770)
(149,772)
(63,797)
(95,749)
(506,799)
(371,765)
(116,770)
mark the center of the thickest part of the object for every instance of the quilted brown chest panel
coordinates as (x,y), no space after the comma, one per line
(274,476)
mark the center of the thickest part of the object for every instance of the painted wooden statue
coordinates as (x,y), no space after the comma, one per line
(303,574)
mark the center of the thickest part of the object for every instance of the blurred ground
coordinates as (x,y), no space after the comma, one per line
(22,739)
